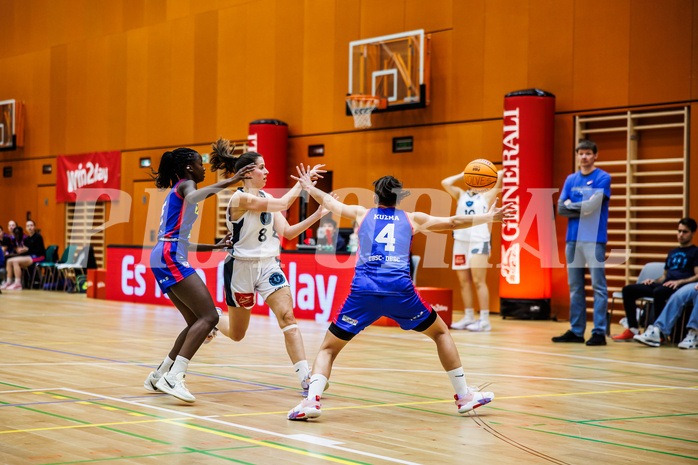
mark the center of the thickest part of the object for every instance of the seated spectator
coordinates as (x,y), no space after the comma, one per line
(5,241)
(10,234)
(330,234)
(6,247)
(27,251)
(2,264)
(681,268)
(671,313)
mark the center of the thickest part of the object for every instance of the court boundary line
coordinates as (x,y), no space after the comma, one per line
(553,354)
(235,425)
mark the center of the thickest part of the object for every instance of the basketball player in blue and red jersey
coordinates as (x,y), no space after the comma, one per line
(382,285)
(182,169)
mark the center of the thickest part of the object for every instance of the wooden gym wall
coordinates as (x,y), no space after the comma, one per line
(143,76)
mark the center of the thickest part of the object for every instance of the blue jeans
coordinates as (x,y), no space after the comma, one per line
(592,255)
(672,310)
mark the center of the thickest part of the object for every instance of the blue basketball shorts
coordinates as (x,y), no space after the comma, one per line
(359,311)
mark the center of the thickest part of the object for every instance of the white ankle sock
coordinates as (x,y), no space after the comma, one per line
(302,370)
(164,366)
(470,312)
(458,381)
(485,315)
(317,385)
(180,365)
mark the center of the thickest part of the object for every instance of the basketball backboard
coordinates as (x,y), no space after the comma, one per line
(394,68)
(11,125)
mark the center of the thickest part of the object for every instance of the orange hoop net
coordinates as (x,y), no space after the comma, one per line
(361,107)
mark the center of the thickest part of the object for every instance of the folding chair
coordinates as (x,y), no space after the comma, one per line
(651,270)
(51,258)
(49,269)
(83,260)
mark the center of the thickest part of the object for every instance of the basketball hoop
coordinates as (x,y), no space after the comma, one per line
(361,107)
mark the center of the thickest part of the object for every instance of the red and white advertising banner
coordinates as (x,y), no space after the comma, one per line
(317,290)
(89,171)
(527,240)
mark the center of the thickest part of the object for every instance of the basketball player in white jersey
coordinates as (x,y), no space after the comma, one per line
(255,220)
(471,251)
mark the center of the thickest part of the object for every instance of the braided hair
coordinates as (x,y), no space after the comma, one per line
(172,166)
(222,157)
(389,191)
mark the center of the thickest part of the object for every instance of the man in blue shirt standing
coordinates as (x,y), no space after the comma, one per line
(584,201)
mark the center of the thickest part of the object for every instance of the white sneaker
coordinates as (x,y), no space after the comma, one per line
(16,286)
(214,331)
(651,337)
(306,409)
(175,387)
(5,284)
(480,326)
(465,321)
(151,381)
(690,341)
(473,400)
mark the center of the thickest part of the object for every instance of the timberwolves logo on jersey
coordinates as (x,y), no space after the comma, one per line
(277,279)
(265,218)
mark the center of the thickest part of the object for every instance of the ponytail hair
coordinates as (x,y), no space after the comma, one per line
(389,191)
(172,166)
(222,157)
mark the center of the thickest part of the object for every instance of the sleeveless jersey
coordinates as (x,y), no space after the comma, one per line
(472,205)
(254,236)
(177,217)
(383,264)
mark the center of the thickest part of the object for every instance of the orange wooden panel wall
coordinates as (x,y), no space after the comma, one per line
(142,76)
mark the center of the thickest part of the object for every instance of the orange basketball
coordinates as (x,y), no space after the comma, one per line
(480,175)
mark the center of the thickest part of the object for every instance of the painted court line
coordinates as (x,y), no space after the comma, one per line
(248,428)
(537,352)
(297,437)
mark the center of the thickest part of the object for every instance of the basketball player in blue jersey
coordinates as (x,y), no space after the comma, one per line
(382,286)
(182,169)
(255,220)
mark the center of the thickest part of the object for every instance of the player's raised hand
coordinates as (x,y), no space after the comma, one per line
(315,171)
(304,177)
(242,172)
(505,212)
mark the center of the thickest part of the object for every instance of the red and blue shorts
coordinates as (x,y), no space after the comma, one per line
(169,264)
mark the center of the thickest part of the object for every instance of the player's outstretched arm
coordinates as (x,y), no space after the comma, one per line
(426,222)
(194,195)
(292,231)
(245,201)
(326,200)
(223,243)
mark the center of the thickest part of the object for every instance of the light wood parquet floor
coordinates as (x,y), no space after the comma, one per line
(72,372)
